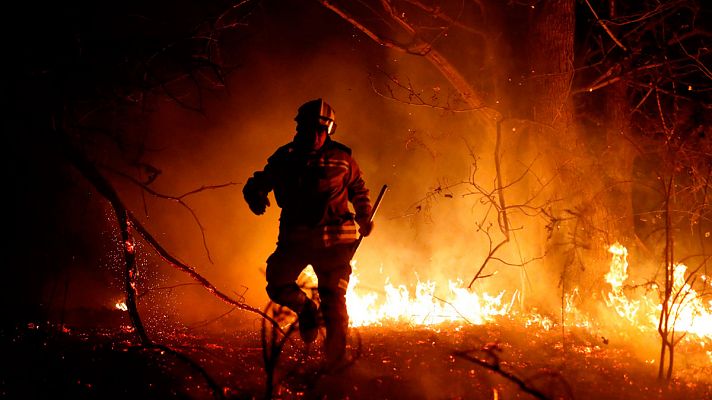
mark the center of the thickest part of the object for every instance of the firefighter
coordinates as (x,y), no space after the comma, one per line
(313,178)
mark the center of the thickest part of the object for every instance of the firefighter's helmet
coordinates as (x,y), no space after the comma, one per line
(317,112)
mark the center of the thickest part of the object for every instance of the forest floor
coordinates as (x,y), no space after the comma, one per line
(396,362)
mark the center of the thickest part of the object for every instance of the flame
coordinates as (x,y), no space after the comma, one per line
(130,246)
(628,309)
(687,307)
(537,319)
(688,310)
(423,306)
(426,304)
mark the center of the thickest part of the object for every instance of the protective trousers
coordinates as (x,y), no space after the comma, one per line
(332,267)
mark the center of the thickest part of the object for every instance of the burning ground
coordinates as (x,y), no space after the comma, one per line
(404,350)
(394,361)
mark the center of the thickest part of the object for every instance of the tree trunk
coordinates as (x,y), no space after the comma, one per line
(551,53)
(617,166)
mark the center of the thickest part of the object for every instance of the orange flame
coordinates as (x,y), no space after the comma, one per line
(423,306)
(426,304)
(690,313)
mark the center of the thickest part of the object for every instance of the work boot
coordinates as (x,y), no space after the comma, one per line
(308,322)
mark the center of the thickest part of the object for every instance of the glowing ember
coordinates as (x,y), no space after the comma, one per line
(121,305)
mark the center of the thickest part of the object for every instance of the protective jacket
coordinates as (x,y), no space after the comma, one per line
(313,189)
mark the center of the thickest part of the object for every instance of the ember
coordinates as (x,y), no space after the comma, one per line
(121,305)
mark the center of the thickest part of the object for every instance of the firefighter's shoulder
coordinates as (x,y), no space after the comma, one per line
(340,146)
(281,153)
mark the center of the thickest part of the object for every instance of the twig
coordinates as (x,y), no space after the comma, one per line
(210,321)
(178,199)
(414,98)
(418,47)
(216,389)
(454,308)
(605,27)
(495,366)
(272,345)
(195,275)
(169,288)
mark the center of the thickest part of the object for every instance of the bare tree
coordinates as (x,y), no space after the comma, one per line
(650,60)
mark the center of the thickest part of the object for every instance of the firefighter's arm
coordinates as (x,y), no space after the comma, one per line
(358,195)
(256,190)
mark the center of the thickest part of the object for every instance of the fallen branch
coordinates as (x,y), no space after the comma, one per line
(173,261)
(494,365)
(216,389)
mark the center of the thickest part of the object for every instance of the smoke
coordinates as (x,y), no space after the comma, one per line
(433,224)
(423,231)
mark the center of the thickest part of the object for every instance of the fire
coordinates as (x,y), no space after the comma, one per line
(130,247)
(423,306)
(628,309)
(427,303)
(689,311)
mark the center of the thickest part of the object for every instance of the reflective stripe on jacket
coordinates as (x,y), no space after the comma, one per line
(320,236)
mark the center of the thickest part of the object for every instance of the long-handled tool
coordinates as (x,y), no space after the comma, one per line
(373,214)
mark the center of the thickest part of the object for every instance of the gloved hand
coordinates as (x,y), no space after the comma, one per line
(257,203)
(365,227)
(256,199)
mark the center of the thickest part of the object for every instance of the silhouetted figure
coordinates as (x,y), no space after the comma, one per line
(313,179)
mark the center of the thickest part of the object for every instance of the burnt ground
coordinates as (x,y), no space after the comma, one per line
(397,362)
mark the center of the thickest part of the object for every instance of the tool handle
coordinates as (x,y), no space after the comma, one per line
(373,214)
